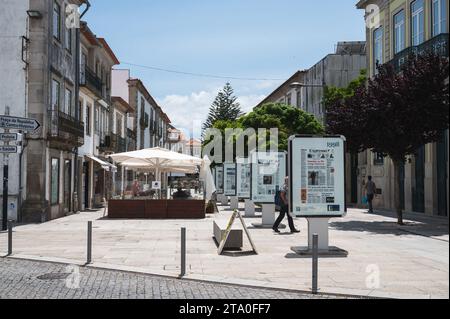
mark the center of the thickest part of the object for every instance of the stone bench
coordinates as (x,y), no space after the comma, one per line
(235,239)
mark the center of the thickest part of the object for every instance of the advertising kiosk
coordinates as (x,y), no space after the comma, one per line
(268,174)
(317,186)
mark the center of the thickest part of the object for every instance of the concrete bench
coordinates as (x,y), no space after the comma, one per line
(235,239)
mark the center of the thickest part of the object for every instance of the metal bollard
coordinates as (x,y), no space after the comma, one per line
(183,252)
(89,243)
(10,232)
(315,264)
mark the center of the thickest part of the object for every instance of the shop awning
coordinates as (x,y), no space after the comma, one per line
(105,165)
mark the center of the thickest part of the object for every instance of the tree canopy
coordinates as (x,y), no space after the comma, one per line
(224,108)
(398,112)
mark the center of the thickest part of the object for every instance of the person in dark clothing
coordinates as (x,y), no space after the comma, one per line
(285,210)
(180,194)
(370,192)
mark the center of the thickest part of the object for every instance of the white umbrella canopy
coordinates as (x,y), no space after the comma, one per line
(158,159)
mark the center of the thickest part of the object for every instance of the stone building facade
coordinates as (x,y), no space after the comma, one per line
(42,53)
(396,29)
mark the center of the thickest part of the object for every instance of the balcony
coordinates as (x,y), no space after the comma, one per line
(437,44)
(113,143)
(121,143)
(90,80)
(65,129)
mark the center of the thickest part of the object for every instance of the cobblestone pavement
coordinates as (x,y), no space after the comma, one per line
(23,279)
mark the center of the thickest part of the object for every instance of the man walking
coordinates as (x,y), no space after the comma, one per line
(285,209)
(370,193)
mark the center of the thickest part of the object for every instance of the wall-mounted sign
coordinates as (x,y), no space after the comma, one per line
(317,176)
(8,149)
(219,179)
(156,185)
(268,174)
(18,123)
(244,175)
(10,137)
(229,179)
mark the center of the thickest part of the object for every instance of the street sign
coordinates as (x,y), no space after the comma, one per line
(8,149)
(18,123)
(10,137)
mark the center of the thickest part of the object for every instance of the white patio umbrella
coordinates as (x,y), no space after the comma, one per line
(159,160)
(207,177)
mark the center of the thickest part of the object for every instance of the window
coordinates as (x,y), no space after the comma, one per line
(80,110)
(378,159)
(377,48)
(417,22)
(299,98)
(88,119)
(96,120)
(439,9)
(68,39)
(289,99)
(119,125)
(57,21)
(68,102)
(399,32)
(54,182)
(55,95)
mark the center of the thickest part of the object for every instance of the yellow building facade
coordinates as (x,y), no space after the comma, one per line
(394,29)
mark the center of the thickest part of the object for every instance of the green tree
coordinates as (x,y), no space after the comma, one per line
(288,119)
(341,107)
(398,112)
(225,108)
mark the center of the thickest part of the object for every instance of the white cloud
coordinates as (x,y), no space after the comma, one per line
(187,111)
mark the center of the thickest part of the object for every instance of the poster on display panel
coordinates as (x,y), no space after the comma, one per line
(317,176)
(244,175)
(268,174)
(229,179)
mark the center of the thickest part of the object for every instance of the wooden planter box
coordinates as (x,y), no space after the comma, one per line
(156,209)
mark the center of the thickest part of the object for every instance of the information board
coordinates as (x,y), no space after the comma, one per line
(229,181)
(317,176)
(268,174)
(244,175)
(219,179)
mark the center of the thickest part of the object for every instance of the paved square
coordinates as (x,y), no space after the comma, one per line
(384,259)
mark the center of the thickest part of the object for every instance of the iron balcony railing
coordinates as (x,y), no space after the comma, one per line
(437,44)
(89,79)
(131,134)
(121,143)
(65,128)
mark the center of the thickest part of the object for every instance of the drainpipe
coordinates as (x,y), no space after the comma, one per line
(76,199)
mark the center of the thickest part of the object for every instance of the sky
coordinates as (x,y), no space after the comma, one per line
(267,40)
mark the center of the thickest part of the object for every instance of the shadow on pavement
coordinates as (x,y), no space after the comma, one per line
(421,228)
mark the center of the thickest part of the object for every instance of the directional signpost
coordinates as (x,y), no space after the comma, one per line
(18,123)
(12,123)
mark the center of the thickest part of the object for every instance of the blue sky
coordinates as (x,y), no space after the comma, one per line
(265,39)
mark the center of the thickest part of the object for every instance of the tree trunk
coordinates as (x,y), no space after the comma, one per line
(398,205)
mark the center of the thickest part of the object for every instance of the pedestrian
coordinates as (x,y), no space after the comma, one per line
(370,193)
(284,209)
(136,188)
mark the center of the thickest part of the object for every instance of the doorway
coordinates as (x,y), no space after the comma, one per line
(67,185)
